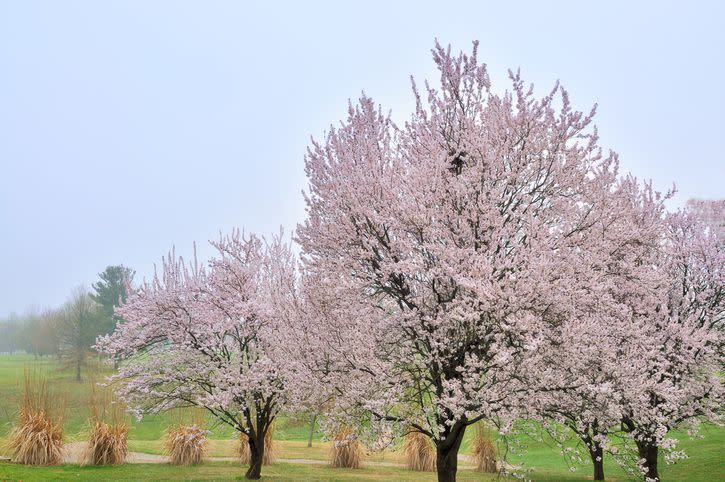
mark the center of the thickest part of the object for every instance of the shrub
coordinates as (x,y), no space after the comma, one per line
(346,452)
(419,452)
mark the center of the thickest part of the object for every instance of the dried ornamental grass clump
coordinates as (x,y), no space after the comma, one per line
(419,452)
(107,444)
(186,444)
(484,451)
(242,449)
(108,437)
(37,437)
(270,448)
(346,451)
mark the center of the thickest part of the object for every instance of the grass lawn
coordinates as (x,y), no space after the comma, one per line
(705,464)
(228,471)
(75,396)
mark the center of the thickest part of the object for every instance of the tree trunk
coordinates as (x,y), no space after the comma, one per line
(256,456)
(597,454)
(78,370)
(648,453)
(312,430)
(596,451)
(447,453)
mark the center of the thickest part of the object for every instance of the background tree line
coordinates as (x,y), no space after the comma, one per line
(68,332)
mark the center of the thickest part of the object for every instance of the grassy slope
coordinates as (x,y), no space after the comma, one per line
(705,463)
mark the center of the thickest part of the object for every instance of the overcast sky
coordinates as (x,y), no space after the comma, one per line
(127,127)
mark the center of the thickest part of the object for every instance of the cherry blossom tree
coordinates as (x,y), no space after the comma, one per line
(210,337)
(680,365)
(649,355)
(712,213)
(603,344)
(446,252)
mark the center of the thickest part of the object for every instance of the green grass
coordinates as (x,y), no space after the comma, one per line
(228,471)
(75,396)
(705,463)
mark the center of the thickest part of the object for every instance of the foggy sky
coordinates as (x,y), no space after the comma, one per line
(127,127)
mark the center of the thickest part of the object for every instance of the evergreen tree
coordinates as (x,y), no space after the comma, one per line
(112,291)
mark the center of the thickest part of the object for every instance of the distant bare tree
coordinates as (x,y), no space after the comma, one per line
(42,332)
(81,322)
(11,334)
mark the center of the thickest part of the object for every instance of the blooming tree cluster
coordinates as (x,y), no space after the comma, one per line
(211,337)
(482,260)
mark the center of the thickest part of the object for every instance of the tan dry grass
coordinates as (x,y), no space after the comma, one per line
(483,451)
(271,451)
(107,444)
(346,451)
(186,444)
(37,437)
(108,436)
(419,452)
